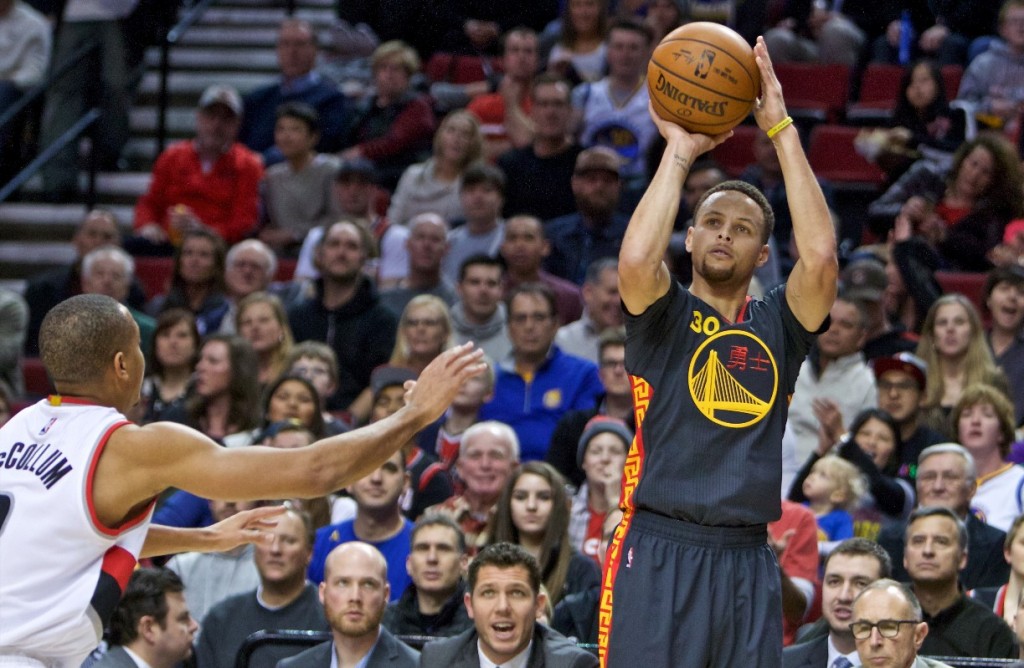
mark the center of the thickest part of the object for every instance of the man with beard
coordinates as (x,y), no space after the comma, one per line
(851,566)
(711,370)
(354,593)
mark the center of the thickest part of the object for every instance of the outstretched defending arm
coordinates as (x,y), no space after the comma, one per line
(811,287)
(248,526)
(140,462)
(643,276)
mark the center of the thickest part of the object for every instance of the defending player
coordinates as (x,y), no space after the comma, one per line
(78,482)
(691,579)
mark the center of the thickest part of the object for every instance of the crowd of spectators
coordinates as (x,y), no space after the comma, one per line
(409,218)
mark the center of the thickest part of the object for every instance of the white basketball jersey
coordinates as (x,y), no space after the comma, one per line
(61,571)
(626,128)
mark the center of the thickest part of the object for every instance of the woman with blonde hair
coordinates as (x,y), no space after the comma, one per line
(262,321)
(954,348)
(433,186)
(533,511)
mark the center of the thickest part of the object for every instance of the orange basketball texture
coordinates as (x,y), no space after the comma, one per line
(703,76)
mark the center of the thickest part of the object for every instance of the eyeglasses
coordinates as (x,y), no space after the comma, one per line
(888,628)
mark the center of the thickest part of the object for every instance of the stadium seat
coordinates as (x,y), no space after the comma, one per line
(951,75)
(459,69)
(815,91)
(37,383)
(879,91)
(833,157)
(154,273)
(737,152)
(968,283)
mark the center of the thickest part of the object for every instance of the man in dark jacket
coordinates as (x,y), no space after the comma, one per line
(433,604)
(345,312)
(503,600)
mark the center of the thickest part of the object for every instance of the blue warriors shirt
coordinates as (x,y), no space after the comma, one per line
(711,399)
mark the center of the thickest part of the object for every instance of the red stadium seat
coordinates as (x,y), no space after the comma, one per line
(814,90)
(951,75)
(37,383)
(460,69)
(879,91)
(967,283)
(285,268)
(737,152)
(155,274)
(833,157)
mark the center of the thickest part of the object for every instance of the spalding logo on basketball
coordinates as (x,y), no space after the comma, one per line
(703,76)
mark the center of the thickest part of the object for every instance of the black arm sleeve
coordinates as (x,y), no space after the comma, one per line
(796,490)
(889,495)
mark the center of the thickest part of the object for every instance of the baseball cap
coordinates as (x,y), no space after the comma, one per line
(908,363)
(598,158)
(388,376)
(600,424)
(225,95)
(864,280)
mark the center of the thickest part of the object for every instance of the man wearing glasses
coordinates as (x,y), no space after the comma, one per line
(888,628)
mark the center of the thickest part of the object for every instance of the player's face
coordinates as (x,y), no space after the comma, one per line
(604,459)
(354,593)
(531,505)
(292,399)
(845,576)
(532,325)
(424,330)
(933,554)
(979,429)
(942,481)
(259,325)
(285,559)
(480,290)
(1006,304)
(435,563)
(879,652)
(845,334)
(485,464)
(726,238)
(137,362)
(503,608)
(380,490)
(952,330)
(876,439)
(173,640)
(899,395)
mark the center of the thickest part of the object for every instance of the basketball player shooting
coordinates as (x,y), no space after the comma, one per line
(78,481)
(691,578)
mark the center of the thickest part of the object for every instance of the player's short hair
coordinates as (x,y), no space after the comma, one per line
(145,596)
(80,336)
(862,547)
(750,191)
(505,556)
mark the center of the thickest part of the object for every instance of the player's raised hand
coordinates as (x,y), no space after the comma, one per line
(430,395)
(698,143)
(770,108)
(246,526)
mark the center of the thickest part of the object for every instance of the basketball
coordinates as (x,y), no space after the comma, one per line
(703,77)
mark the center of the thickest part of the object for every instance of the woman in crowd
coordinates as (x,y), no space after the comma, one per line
(664,16)
(1002,600)
(171,363)
(261,320)
(954,348)
(424,332)
(433,186)
(579,53)
(873,445)
(964,213)
(197,283)
(532,513)
(393,127)
(984,424)
(292,398)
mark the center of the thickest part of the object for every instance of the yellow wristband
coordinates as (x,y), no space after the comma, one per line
(780,126)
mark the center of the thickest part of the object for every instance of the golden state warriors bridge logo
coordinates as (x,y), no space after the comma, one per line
(733,378)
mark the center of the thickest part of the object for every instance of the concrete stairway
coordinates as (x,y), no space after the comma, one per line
(232,44)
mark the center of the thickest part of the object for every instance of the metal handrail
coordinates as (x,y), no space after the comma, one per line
(48,153)
(173,36)
(39,89)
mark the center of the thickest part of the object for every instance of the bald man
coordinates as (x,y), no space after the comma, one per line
(80,481)
(354,594)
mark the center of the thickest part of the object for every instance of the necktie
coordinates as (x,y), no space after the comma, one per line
(842,662)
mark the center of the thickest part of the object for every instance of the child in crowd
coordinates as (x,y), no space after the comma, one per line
(298,194)
(833,488)
(316,362)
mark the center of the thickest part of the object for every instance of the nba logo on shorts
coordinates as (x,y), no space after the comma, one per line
(42,432)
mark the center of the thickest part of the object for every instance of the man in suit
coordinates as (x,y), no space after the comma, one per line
(354,594)
(503,600)
(888,628)
(851,566)
(151,625)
